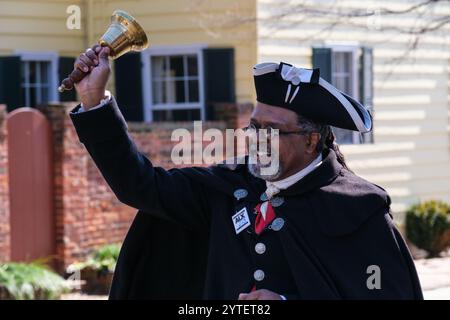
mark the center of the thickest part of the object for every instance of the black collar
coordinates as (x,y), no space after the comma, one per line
(321,176)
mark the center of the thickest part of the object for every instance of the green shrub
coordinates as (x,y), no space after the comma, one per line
(22,281)
(428,226)
(103,259)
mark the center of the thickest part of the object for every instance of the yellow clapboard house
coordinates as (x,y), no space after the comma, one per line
(406,83)
(210,47)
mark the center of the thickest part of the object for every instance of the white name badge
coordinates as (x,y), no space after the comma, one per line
(240,220)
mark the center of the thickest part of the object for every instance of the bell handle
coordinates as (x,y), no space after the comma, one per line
(75,76)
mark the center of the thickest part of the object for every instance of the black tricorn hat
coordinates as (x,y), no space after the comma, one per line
(306,93)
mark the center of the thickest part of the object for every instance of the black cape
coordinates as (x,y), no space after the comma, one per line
(182,243)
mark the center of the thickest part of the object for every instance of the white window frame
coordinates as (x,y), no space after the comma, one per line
(147,83)
(353,49)
(44,56)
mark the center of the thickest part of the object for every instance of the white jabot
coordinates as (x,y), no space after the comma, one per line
(274,187)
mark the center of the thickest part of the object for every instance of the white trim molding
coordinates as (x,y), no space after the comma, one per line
(352,48)
(45,56)
(147,83)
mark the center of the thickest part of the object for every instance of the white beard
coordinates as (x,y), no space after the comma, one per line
(255,170)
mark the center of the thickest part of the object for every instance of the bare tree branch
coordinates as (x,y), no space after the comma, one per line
(290,15)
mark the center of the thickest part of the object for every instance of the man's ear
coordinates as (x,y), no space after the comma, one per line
(312,141)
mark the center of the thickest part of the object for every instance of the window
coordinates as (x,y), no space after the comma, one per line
(173,84)
(350,69)
(345,78)
(38,78)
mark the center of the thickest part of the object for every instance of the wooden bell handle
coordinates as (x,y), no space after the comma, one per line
(75,76)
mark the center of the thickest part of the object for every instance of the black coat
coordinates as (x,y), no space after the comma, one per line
(183,245)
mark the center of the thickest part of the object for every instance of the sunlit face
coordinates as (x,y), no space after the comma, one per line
(296,148)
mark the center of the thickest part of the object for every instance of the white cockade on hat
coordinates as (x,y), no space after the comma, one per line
(296,75)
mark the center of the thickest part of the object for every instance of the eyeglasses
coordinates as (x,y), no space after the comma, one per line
(271,131)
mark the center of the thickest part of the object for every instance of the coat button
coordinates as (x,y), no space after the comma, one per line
(277,201)
(277,224)
(240,194)
(259,275)
(260,248)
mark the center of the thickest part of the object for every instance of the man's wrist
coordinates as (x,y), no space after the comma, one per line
(106,99)
(91,103)
(91,100)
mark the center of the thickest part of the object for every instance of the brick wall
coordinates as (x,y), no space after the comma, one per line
(87,213)
(4,195)
(235,115)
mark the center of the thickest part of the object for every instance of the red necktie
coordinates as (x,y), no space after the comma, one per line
(265,215)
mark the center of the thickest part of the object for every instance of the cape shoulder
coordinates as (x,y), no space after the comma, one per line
(223,177)
(346,203)
(233,164)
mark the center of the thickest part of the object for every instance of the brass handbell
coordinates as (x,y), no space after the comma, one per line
(123,35)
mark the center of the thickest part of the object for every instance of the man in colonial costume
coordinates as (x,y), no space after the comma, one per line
(311,230)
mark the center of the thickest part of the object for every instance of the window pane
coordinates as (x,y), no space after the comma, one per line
(168,92)
(33,101)
(36,82)
(348,62)
(193,91)
(342,79)
(32,74)
(45,71)
(44,94)
(24,71)
(343,136)
(338,65)
(180,93)
(25,95)
(343,83)
(367,137)
(176,115)
(159,91)
(175,91)
(192,66)
(343,71)
(159,67)
(162,115)
(176,66)
(170,86)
